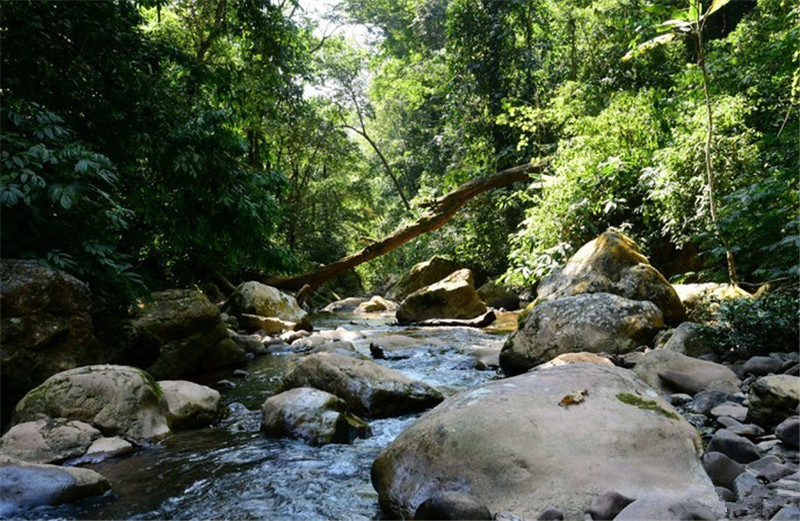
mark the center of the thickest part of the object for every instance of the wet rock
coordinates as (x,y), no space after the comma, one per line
(25,485)
(512,444)
(377,304)
(773,399)
(451,297)
(105,448)
(346,305)
(394,346)
(255,298)
(250,343)
(704,401)
(48,441)
(788,431)
(744,485)
(607,505)
(762,365)
(665,508)
(421,275)
(594,323)
(311,415)
(551,514)
(660,366)
(342,348)
(756,466)
(452,505)
(679,399)
(731,410)
(613,263)
(735,447)
(116,400)
(189,405)
(241,373)
(722,470)
(688,339)
(45,327)
(368,388)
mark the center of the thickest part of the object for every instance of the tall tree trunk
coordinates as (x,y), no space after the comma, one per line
(441,210)
(712,197)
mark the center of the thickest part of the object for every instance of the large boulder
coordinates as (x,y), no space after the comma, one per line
(518,445)
(116,400)
(498,295)
(773,399)
(377,304)
(48,441)
(613,263)
(186,326)
(670,372)
(311,415)
(421,275)
(346,305)
(189,405)
(452,297)
(256,298)
(45,327)
(595,323)
(702,298)
(368,388)
(26,485)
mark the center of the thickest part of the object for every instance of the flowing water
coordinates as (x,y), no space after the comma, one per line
(231,471)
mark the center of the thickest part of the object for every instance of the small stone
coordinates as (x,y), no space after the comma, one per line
(225,384)
(679,399)
(774,471)
(788,431)
(761,463)
(749,430)
(704,401)
(735,447)
(722,470)
(730,409)
(762,365)
(551,514)
(240,373)
(607,505)
(725,494)
(453,505)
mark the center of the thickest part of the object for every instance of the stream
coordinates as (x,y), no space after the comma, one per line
(231,471)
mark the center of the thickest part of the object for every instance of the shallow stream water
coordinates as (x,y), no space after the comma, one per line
(231,471)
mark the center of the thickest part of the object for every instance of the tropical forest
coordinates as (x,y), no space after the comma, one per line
(400,259)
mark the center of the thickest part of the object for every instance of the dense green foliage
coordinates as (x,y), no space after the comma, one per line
(163,142)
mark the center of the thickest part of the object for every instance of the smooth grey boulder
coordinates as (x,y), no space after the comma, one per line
(613,263)
(654,366)
(25,485)
(189,405)
(48,441)
(311,415)
(735,447)
(114,399)
(788,431)
(722,470)
(520,445)
(762,365)
(368,388)
(704,401)
(594,323)
(607,505)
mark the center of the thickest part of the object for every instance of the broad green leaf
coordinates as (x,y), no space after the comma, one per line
(716,5)
(649,44)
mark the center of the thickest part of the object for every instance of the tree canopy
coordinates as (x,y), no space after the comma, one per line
(160,142)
